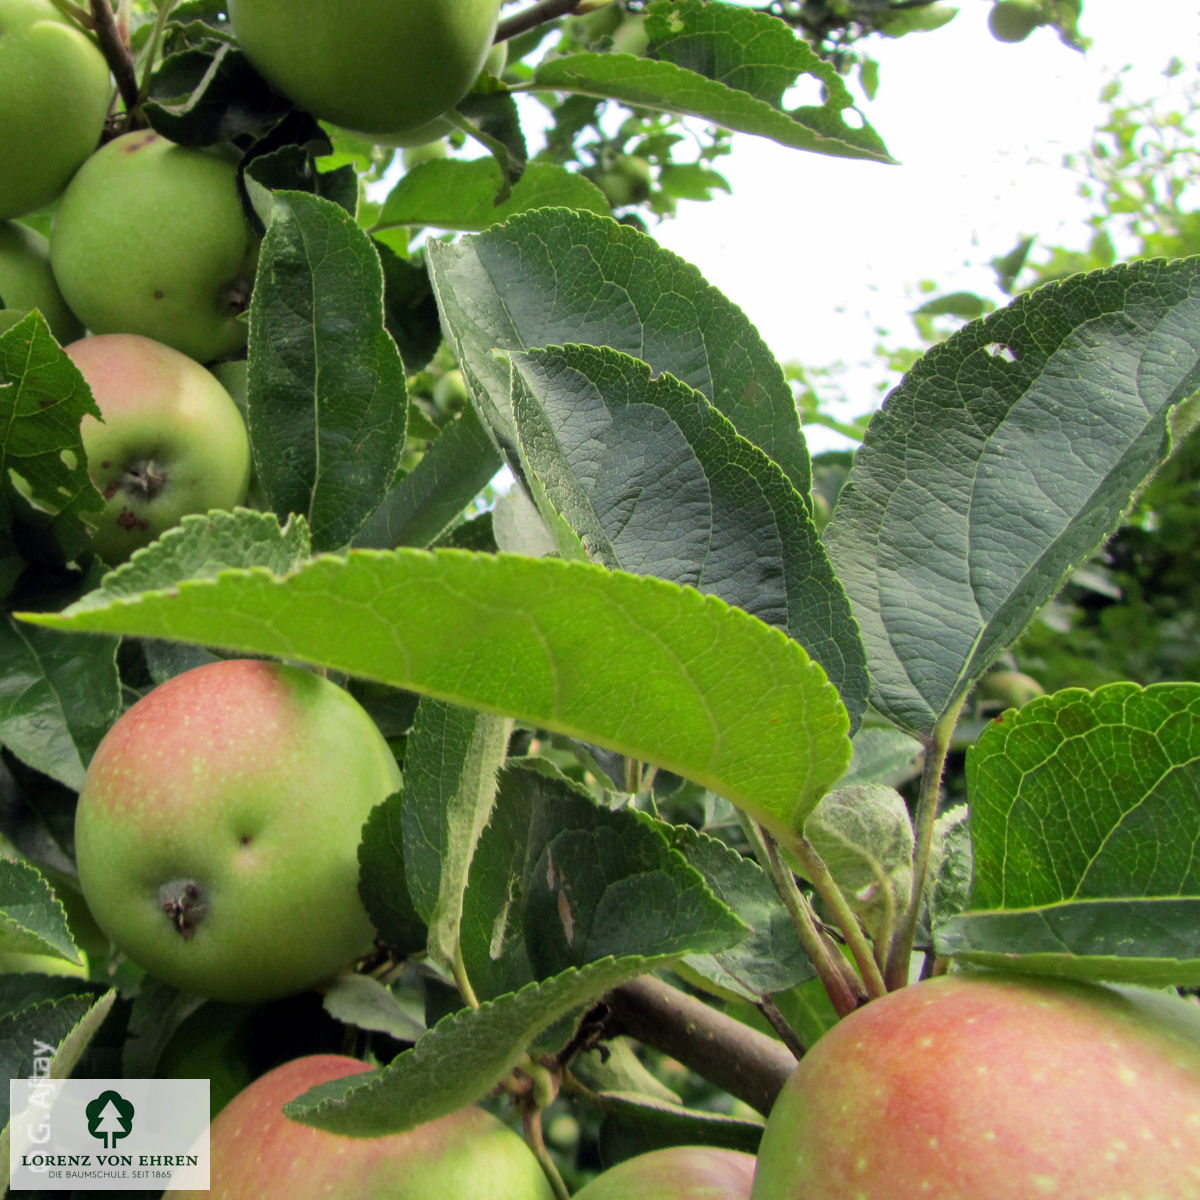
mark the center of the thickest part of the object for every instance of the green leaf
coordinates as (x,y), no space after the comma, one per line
(382,884)
(554,277)
(47,1040)
(635,1124)
(450,764)
(43,398)
(453,194)
(999,465)
(460,1059)
(630,662)
(560,882)
(770,958)
(58,696)
(32,919)
(326,405)
(653,479)
(430,499)
(1084,807)
(725,65)
(366,1003)
(203,545)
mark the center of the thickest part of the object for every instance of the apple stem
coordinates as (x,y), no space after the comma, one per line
(937,747)
(543,1088)
(844,989)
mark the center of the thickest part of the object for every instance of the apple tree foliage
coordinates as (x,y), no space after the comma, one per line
(652,710)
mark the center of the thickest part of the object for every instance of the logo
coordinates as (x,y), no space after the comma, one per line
(115,1135)
(109,1118)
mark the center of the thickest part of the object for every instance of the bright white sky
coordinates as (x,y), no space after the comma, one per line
(821,252)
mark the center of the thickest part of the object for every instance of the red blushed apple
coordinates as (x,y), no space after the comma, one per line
(259,1154)
(217,830)
(986,1086)
(172,440)
(676,1173)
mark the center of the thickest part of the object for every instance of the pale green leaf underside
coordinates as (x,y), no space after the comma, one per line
(633,663)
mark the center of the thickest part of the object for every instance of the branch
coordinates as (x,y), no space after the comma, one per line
(116,53)
(530,18)
(746,1063)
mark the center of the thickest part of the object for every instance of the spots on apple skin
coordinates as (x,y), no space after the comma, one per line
(130,521)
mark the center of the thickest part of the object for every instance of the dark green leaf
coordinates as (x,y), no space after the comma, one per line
(327,404)
(999,464)
(653,479)
(555,277)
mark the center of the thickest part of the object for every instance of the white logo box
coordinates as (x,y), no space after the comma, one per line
(108,1134)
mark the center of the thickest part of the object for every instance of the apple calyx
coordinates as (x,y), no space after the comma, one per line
(144,479)
(184,905)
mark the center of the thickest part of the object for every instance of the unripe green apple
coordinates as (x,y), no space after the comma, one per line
(218,826)
(26,280)
(375,66)
(171,441)
(54,96)
(259,1154)
(675,1173)
(150,238)
(986,1086)
(1014,20)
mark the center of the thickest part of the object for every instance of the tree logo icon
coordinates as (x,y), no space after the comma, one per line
(109,1117)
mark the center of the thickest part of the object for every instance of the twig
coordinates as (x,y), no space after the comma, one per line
(743,1061)
(530,18)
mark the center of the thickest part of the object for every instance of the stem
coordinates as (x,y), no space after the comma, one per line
(744,1062)
(538,14)
(937,747)
(843,989)
(152,45)
(116,53)
(531,1123)
(813,868)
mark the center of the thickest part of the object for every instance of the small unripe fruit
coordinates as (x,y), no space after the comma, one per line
(27,282)
(171,441)
(1014,20)
(54,95)
(150,238)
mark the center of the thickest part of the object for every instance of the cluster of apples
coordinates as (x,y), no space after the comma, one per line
(966,1087)
(149,250)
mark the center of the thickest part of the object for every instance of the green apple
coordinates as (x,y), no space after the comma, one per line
(217,829)
(676,1173)
(259,1154)
(26,280)
(375,66)
(627,181)
(171,441)
(989,1086)
(151,238)
(54,97)
(1014,20)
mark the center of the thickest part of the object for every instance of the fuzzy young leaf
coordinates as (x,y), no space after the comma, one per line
(999,464)
(554,277)
(1084,812)
(630,662)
